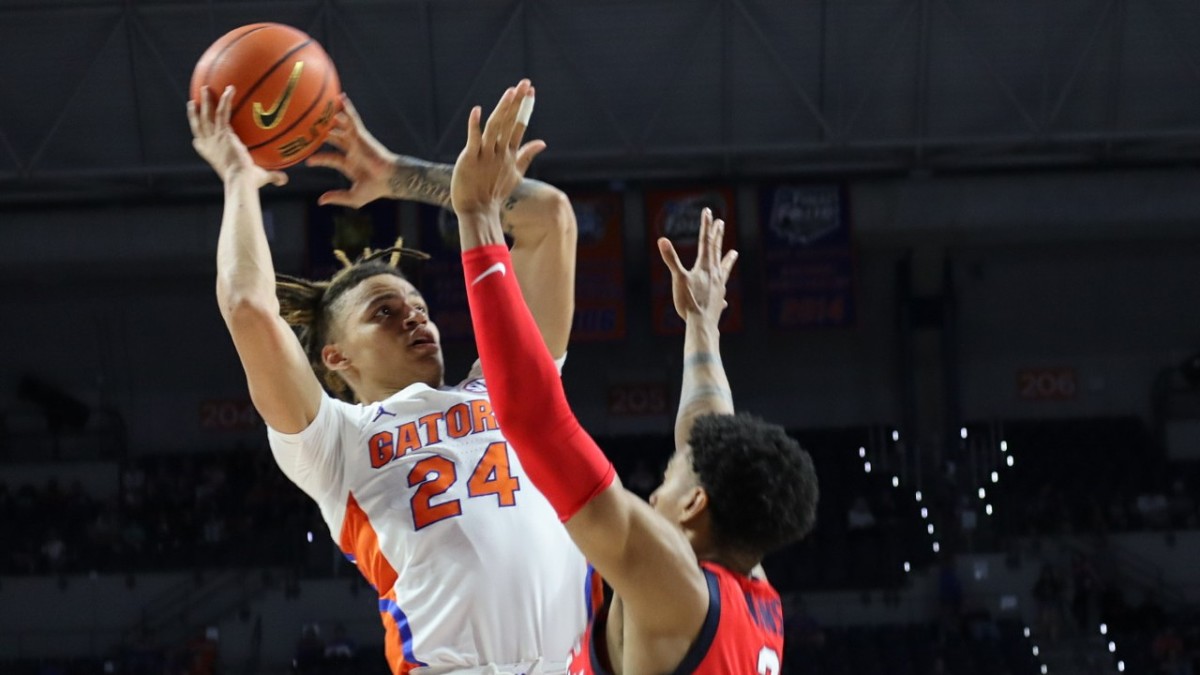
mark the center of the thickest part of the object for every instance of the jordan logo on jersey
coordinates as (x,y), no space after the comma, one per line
(471,417)
(380,413)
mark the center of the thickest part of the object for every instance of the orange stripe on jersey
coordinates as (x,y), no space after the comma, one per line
(359,540)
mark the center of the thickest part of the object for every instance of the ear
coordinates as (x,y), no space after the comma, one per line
(333,358)
(695,506)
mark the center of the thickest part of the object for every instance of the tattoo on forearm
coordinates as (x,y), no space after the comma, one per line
(429,183)
(509,204)
(705,395)
(702,358)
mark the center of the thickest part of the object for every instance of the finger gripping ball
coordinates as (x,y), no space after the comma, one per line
(286,94)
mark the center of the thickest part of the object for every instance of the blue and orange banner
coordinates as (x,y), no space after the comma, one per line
(675,214)
(374,226)
(808,257)
(441,279)
(600,275)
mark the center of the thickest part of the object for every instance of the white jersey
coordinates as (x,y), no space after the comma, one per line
(423,493)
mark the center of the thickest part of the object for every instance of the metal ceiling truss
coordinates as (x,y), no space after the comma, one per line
(726,87)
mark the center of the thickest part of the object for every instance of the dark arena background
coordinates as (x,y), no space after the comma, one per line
(969,284)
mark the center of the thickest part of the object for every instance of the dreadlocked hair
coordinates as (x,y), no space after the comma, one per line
(306,305)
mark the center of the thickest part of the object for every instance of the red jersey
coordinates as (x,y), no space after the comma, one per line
(742,632)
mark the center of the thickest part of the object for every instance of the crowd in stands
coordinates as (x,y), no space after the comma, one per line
(237,509)
(169,512)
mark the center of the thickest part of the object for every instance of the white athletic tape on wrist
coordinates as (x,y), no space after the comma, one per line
(525,111)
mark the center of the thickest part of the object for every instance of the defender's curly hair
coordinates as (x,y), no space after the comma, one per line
(761,484)
(307,305)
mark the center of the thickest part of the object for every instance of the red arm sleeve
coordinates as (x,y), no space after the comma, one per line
(525,389)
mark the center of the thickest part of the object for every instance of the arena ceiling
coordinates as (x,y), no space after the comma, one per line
(93,90)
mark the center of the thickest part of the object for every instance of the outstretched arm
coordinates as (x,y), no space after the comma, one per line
(645,558)
(538,216)
(282,385)
(699,295)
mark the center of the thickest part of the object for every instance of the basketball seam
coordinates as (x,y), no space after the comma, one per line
(268,73)
(217,59)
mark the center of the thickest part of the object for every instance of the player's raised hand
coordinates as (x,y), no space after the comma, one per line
(700,290)
(494,160)
(214,140)
(362,159)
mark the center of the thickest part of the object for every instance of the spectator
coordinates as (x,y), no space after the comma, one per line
(310,652)
(1168,653)
(1153,510)
(54,552)
(1087,587)
(340,652)
(1048,592)
(1181,505)
(860,516)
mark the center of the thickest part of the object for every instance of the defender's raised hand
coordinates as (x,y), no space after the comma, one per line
(701,289)
(363,159)
(214,140)
(494,159)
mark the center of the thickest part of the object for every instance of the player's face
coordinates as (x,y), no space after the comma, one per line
(672,498)
(387,335)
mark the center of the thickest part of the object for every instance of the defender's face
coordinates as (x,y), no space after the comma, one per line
(387,335)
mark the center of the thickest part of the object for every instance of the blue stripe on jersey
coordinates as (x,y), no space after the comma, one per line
(587,590)
(388,605)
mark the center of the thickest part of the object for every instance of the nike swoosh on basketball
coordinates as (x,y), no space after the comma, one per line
(496,267)
(271,117)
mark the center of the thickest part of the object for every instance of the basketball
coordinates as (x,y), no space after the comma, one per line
(286,90)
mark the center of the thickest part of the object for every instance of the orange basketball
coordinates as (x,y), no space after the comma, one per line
(286,90)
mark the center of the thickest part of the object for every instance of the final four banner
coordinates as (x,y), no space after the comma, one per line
(675,214)
(374,226)
(808,260)
(600,279)
(441,281)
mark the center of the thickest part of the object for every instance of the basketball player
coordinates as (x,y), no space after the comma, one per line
(414,478)
(686,599)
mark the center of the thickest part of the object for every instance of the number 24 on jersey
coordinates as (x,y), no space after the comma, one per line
(435,475)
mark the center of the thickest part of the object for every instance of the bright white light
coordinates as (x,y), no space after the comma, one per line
(862,452)
(1112,646)
(1003,446)
(924,512)
(936,547)
(1120,666)
(982,493)
(310,537)
(930,528)
(895,435)
(918,495)
(995,477)
(1035,650)
(907,567)
(895,481)
(1009,460)
(962,432)
(1026,631)
(988,509)
(1104,629)
(1045,669)
(867,467)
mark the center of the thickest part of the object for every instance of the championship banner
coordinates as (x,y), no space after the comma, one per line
(675,214)
(808,261)
(374,226)
(441,280)
(600,275)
